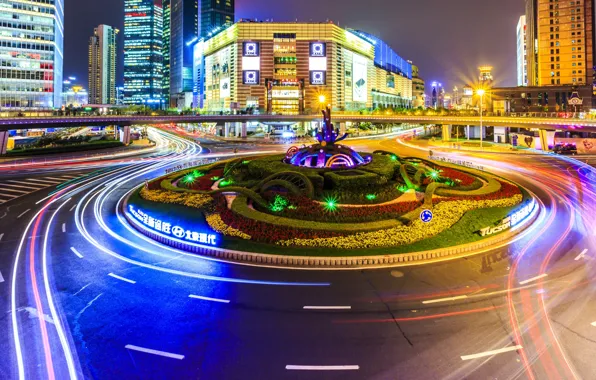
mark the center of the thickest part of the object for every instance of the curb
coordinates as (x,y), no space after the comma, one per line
(321,263)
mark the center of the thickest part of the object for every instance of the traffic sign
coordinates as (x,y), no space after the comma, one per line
(426,216)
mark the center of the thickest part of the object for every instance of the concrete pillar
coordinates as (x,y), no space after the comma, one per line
(244,129)
(446,132)
(227,127)
(125,135)
(3,142)
(342,128)
(501,135)
(547,139)
(474,132)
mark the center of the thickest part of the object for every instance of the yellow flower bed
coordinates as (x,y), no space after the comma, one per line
(445,215)
(186,199)
(215,222)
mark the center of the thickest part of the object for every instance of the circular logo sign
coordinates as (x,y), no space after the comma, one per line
(178,231)
(426,216)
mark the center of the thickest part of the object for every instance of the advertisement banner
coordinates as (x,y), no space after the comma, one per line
(224,88)
(318,49)
(359,81)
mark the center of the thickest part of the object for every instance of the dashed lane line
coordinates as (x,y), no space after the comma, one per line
(491,353)
(72,208)
(63,227)
(23,213)
(581,255)
(447,299)
(121,278)
(209,299)
(76,252)
(291,367)
(154,352)
(543,275)
(327,307)
(1,277)
(1,236)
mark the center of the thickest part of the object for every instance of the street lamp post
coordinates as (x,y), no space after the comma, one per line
(480,93)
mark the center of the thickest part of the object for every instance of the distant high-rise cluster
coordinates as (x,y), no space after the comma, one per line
(31,46)
(522,52)
(159,42)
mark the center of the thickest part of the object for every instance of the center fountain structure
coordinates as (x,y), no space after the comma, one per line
(327,153)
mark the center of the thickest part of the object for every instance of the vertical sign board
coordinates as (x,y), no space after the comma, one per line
(360,79)
(317,63)
(3,142)
(251,63)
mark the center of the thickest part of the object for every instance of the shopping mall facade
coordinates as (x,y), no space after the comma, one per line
(295,68)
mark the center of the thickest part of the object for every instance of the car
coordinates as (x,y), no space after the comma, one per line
(565,149)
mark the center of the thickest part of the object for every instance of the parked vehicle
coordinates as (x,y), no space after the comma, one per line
(565,149)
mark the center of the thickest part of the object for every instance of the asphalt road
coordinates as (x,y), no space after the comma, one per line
(87,297)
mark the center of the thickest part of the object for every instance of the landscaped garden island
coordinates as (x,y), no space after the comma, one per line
(327,200)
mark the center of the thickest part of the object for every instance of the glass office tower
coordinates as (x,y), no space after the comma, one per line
(184,30)
(143,45)
(214,15)
(31,54)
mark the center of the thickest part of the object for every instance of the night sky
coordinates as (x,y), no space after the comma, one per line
(448,40)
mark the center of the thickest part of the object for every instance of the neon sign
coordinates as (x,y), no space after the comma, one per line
(510,221)
(167,228)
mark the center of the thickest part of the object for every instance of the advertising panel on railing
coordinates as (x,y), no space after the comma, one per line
(224,88)
(360,79)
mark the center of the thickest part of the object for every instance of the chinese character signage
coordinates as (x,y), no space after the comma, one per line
(166,228)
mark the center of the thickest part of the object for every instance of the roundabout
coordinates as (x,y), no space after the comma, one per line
(327,205)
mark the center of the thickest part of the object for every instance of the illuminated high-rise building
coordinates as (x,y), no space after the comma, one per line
(486,75)
(143,60)
(215,14)
(560,38)
(522,52)
(167,34)
(184,31)
(31,47)
(102,65)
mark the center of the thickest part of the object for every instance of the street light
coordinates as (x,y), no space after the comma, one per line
(480,92)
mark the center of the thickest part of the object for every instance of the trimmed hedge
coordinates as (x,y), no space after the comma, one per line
(65,148)
(359,182)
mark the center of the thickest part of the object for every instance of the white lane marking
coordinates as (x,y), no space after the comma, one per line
(491,353)
(209,299)
(23,213)
(36,186)
(14,190)
(76,252)
(121,278)
(19,186)
(54,178)
(327,307)
(533,279)
(63,227)
(43,181)
(34,313)
(581,255)
(154,352)
(445,299)
(72,208)
(1,236)
(593,324)
(69,176)
(11,196)
(1,277)
(291,367)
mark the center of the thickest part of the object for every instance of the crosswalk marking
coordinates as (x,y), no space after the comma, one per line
(13,190)
(31,184)
(44,181)
(21,186)
(9,195)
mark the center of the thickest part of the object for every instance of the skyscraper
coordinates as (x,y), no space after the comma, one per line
(102,65)
(214,15)
(31,46)
(184,30)
(522,61)
(560,42)
(143,52)
(167,35)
